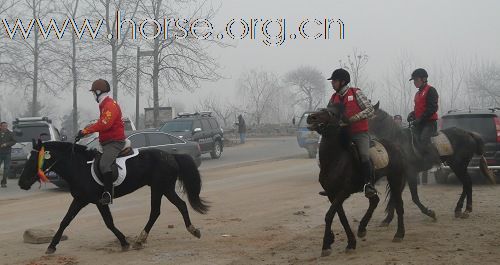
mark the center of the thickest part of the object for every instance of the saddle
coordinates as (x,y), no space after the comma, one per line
(118,168)
(378,154)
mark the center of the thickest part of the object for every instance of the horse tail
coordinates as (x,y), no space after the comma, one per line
(479,150)
(483,165)
(190,178)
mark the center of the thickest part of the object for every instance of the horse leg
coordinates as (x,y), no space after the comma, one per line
(153,216)
(412,184)
(460,170)
(374,200)
(329,237)
(108,220)
(398,201)
(74,208)
(390,214)
(351,239)
(182,207)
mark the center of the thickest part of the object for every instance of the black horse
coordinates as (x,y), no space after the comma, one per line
(340,176)
(464,144)
(154,168)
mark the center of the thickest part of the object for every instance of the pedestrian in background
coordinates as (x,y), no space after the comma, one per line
(242,129)
(6,143)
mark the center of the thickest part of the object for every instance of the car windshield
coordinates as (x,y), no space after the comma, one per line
(484,125)
(177,126)
(23,134)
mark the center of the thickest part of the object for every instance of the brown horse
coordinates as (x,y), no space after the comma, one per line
(340,176)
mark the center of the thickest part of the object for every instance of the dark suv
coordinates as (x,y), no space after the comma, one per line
(483,121)
(198,127)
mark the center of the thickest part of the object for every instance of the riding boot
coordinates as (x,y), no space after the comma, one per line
(368,176)
(107,195)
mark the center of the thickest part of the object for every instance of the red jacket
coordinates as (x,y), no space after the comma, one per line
(421,104)
(110,124)
(351,108)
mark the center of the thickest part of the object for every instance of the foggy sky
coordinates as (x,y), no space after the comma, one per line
(427,30)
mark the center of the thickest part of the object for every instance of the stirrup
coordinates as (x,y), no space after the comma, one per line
(371,193)
(106,198)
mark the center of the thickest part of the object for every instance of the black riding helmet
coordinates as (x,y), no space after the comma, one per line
(419,73)
(341,75)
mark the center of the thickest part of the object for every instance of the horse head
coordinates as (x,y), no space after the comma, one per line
(29,174)
(43,158)
(329,117)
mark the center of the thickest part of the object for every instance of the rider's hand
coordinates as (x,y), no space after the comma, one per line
(411,117)
(345,120)
(79,136)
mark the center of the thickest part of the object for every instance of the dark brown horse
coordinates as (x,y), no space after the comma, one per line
(340,176)
(464,144)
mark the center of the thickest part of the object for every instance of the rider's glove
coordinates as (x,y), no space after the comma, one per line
(79,136)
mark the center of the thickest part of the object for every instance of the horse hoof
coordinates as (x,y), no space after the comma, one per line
(361,234)
(432,215)
(138,246)
(464,215)
(326,252)
(50,251)
(194,231)
(125,247)
(384,224)
(458,214)
(349,250)
(397,239)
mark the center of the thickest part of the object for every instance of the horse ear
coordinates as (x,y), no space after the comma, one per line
(377,106)
(33,143)
(39,143)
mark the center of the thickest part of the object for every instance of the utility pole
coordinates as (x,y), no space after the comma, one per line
(139,54)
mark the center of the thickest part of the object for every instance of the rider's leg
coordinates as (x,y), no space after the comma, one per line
(428,150)
(110,151)
(362,141)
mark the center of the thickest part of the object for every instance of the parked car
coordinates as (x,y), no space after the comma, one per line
(25,130)
(147,139)
(198,127)
(484,122)
(305,138)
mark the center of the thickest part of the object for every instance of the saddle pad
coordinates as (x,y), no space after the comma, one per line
(378,155)
(122,169)
(442,144)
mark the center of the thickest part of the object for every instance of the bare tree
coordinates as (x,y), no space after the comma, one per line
(115,41)
(483,82)
(398,92)
(309,86)
(260,90)
(178,63)
(356,64)
(223,110)
(27,66)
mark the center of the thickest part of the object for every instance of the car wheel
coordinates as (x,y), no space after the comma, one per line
(217,151)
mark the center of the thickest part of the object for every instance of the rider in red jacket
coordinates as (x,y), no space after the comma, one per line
(111,135)
(424,116)
(357,110)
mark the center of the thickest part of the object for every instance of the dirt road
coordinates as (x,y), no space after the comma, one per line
(265,213)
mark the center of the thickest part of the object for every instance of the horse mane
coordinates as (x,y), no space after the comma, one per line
(67,147)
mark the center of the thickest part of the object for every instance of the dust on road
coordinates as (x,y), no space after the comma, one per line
(264,213)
